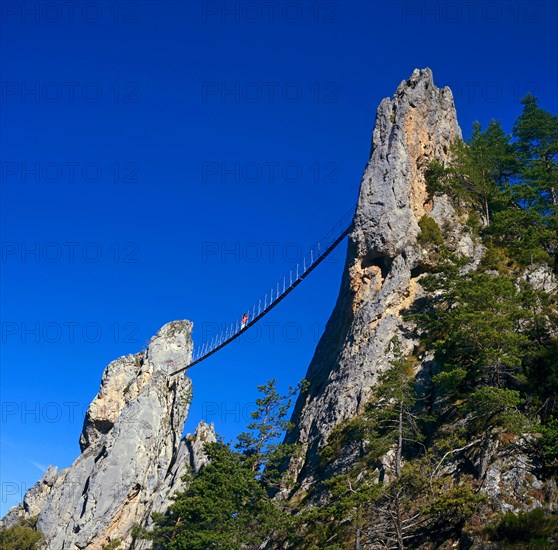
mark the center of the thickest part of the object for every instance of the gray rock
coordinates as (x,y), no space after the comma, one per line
(417,125)
(190,457)
(132,455)
(511,482)
(540,277)
(34,499)
(456,234)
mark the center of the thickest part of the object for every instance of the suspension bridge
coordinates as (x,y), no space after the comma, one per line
(277,293)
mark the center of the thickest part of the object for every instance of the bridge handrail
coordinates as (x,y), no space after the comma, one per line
(309,261)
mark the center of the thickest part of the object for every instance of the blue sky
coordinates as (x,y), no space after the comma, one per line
(169,160)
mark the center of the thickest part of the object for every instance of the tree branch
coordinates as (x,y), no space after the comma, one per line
(453,451)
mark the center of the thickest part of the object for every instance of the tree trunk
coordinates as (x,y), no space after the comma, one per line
(399,524)
(357,539)
(358,524)
(486,211)
(399,442)
(484,454)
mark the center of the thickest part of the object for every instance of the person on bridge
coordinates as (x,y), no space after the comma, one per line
(245,318)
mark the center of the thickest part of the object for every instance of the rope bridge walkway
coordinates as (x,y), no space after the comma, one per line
(277,292)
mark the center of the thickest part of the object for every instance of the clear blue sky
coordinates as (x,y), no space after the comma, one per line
(167,133)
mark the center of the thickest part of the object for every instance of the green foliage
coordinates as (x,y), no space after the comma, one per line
(224,507)
(21,537)
(450,505)
(260,444)
(490,408)
(417,506)
(534,526)
(344,435)
(389,502)
(511,186)
(497,258)
(541,371)
(477,171)
(391,413)
(430,232)
(524,233)
(139,532)
(473,328)
(115,544)
(227,504)
(449,381)
(491,336)
(549,443)
(536,131)
(437,178)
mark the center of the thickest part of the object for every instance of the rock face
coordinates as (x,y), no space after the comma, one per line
(132,454)
(189,455)
(417,125)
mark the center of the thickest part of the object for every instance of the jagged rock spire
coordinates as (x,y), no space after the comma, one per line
(132,456)
(415,126)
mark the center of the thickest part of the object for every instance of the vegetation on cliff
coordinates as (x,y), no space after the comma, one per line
(21,536)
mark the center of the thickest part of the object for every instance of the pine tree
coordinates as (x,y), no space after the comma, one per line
(478,171)
(227,504)
(536,131)
(474,327)
(490,410)
(260,444)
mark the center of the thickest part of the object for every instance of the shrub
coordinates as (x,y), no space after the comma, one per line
(23,536)
(430,232)
(549,443)
(534,526)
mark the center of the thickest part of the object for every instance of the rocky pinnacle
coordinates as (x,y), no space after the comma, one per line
(415,126)
(132,455)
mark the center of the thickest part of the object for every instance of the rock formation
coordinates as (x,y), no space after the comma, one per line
(132,456)
(379,281)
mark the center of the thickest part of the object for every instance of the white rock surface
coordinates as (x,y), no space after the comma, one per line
(132,455)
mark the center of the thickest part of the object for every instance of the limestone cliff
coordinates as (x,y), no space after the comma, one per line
(132,455)
(417,125)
